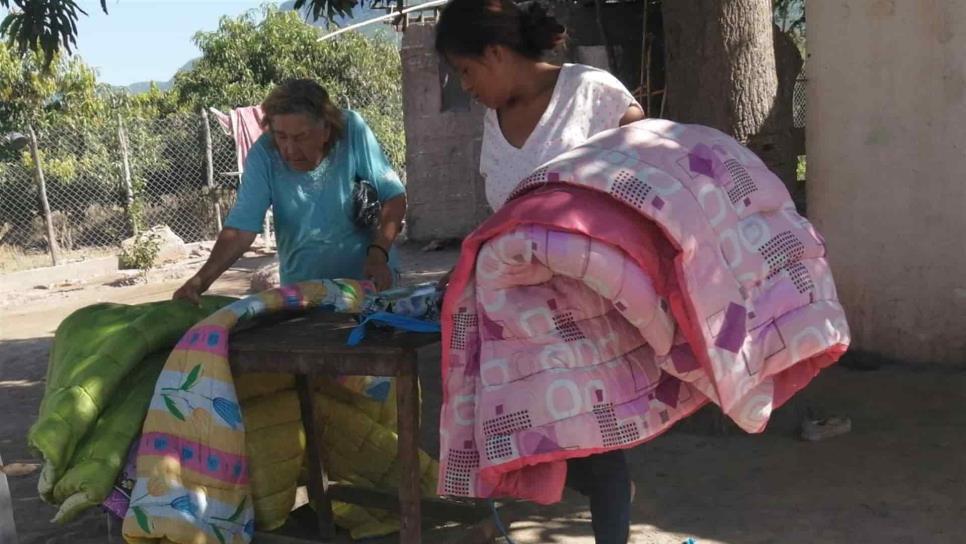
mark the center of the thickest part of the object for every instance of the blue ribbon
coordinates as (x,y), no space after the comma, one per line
(396,321)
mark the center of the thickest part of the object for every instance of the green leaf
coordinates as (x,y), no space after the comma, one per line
(218,533)
(7,21)
(191,379)
(172,407)
(142,518)
(239,510)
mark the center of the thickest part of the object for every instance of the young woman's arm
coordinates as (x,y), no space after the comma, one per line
(634,113)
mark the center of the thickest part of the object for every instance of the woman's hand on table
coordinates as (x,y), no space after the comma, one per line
(377,268)
(443,282)
(191,291)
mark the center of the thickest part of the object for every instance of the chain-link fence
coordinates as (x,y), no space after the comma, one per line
(110,177)
(105,181)
(799,100)
(102,185)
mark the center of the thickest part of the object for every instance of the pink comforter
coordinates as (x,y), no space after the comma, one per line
(627,283)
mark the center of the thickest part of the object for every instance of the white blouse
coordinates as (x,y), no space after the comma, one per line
(585,101)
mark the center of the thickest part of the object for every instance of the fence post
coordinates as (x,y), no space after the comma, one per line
(267,230)
(126,172)
(42,185)
(210,167)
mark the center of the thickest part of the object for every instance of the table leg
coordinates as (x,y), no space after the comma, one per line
(407,407)
(318,481)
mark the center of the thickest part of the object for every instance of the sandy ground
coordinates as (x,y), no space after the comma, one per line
(898,477)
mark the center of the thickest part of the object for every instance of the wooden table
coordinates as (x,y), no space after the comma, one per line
(316,345)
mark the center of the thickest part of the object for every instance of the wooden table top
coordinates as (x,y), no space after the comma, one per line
(316,344)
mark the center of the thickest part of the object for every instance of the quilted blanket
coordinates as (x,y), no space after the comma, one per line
(100,383)
(102,367)
(627,283)
(192,469)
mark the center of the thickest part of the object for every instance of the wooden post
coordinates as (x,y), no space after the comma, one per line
(126,172)
(407,411)
(210,167)
(42,186)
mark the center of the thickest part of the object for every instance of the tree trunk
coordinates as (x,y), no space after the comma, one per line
(42,191)
(210,169)
(721,69)
(721,72)
(126,175)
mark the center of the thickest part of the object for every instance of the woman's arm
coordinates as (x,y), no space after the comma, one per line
(634,113)
(390,222)
(372,165)
(390,225)
(241,226)
(231,244)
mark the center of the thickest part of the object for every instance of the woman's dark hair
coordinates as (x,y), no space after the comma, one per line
(467,27)
(304,96)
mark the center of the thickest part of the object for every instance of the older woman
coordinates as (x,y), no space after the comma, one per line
(307,166)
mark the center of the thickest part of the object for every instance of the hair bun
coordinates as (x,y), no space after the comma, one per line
(539,29)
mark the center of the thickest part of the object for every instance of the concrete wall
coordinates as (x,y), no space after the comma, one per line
(887,169)
(445,189)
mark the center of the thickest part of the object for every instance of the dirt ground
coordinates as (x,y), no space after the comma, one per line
(898,477)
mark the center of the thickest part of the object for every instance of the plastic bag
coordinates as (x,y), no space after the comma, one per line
(366,205)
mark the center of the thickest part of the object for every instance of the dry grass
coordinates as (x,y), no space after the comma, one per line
(15,259)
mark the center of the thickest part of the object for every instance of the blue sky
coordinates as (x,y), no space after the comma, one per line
(142,40)
(149,40)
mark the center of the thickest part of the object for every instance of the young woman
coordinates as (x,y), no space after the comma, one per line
(536,111)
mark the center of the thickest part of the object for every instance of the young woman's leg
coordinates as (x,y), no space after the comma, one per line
(605,480)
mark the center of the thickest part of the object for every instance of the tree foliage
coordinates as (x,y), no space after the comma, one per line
(327,9)
(68,91)
(790,18)
(42,25)
(49,25)
(76,120)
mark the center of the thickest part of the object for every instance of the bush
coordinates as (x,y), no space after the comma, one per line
(142,254)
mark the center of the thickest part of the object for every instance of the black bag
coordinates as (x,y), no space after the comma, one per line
(366,205)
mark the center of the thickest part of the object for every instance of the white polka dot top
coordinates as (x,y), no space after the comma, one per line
(585,101)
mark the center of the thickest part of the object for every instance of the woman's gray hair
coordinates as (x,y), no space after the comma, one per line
(304,96)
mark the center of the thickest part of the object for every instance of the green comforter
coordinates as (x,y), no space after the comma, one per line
(103,366)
